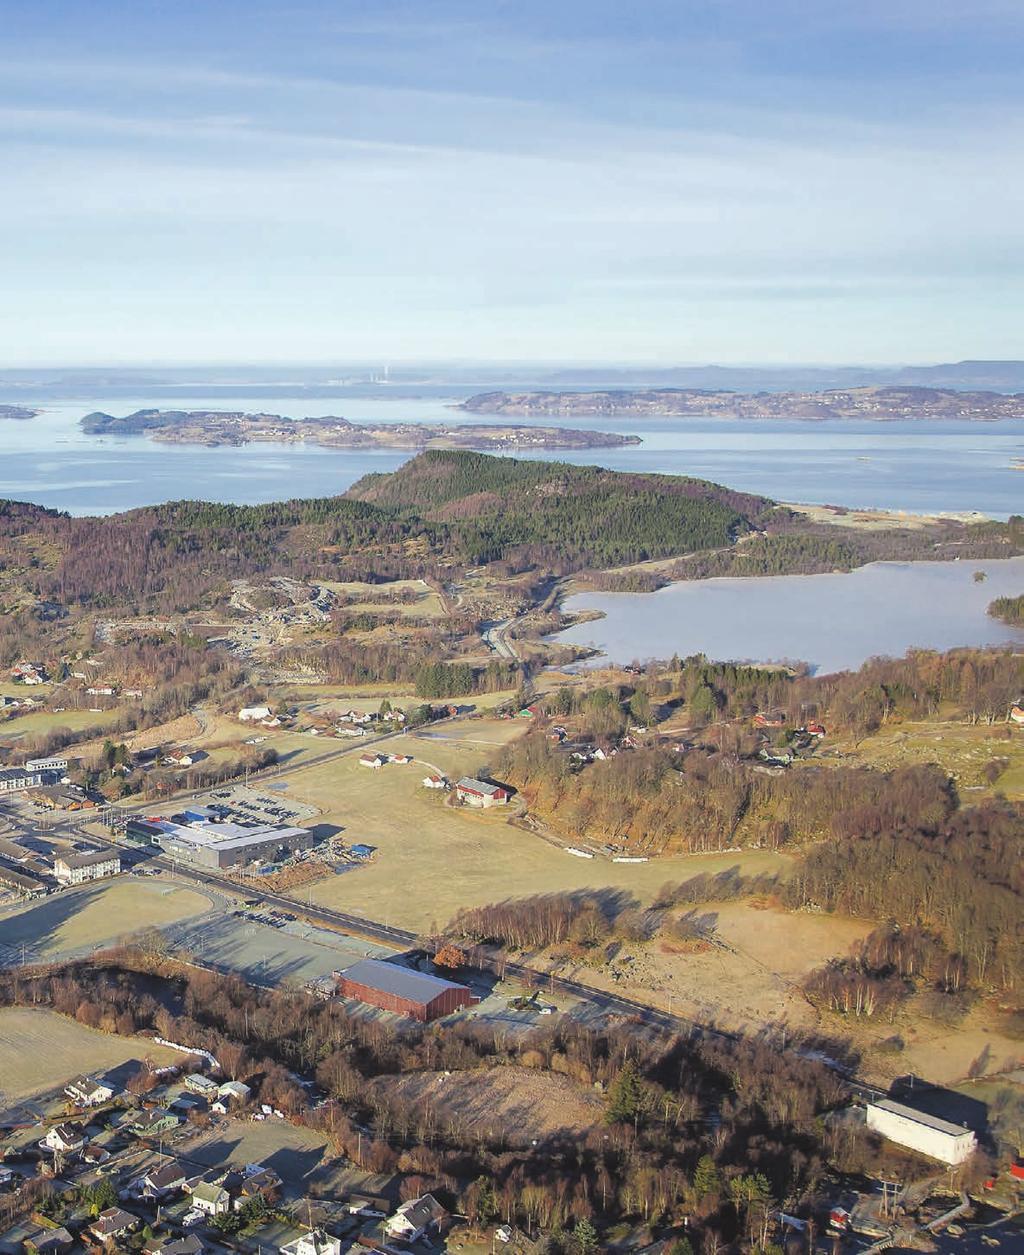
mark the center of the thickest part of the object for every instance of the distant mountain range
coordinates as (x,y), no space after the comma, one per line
(462,379)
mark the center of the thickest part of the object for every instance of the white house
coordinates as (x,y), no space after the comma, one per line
(210,1199)
(64,1138)
(929,1135)
(315,1242)
(86,1091)
(415,1219)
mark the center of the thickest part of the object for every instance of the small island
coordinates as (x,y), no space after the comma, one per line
(1009,609)
(220,427)
(881,404)
(18,412)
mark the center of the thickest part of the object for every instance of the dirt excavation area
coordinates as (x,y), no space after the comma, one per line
(513,1103)
(41,1050)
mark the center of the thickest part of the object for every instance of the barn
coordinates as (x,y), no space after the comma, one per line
(400,989)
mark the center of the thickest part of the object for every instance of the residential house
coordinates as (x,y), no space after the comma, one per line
(480,793)
(234,1092)
(415,1219)
(157,1122)
(190,1245)
(211,1199)
(163,1182)
(435,782)
(50,1242)
(257,1181)
(373,761)
(93,1154)
(86,1091)
(313,1242)
(65,1139)
(770,719)
(1017,712)
(112,1225)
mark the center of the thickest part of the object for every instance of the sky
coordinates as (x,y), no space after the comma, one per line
(672,181)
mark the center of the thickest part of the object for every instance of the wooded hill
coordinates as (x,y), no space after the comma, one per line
(443,509)
(442,512)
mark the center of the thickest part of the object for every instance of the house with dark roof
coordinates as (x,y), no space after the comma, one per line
(113,1224)
(415,1219)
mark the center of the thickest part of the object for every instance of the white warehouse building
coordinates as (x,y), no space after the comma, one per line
(929,1135)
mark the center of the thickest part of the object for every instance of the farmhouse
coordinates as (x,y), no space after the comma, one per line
(400,989)
(480,792)
(373,761)
(76,869)
(86,1091)
(930,1135)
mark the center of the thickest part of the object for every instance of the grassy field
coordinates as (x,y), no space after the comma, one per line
(432,859)
(40,722)
(960,749)
(94,915)
(40,1050)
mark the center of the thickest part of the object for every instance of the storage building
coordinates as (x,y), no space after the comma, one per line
(400,989)
(480,792)
(930,1135)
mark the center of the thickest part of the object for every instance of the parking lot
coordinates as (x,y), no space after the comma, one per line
(266,805)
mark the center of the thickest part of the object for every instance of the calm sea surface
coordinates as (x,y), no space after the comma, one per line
(833,622)
(920,467)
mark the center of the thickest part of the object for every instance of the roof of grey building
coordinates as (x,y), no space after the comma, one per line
(920,1117)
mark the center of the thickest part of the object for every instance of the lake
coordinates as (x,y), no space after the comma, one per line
(832,622)
(919,467)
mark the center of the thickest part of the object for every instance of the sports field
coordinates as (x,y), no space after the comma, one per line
(41,1050)
(77,920)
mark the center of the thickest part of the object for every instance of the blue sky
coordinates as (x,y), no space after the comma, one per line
(629,180)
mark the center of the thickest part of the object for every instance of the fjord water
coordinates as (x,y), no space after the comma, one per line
(913,466)
(832,622)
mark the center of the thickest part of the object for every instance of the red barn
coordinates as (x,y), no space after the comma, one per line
(400,989)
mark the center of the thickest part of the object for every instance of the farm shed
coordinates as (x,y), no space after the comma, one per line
(400,989)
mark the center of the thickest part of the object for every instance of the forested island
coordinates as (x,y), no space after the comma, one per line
(1009,609)
(222,427)
(882,404)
